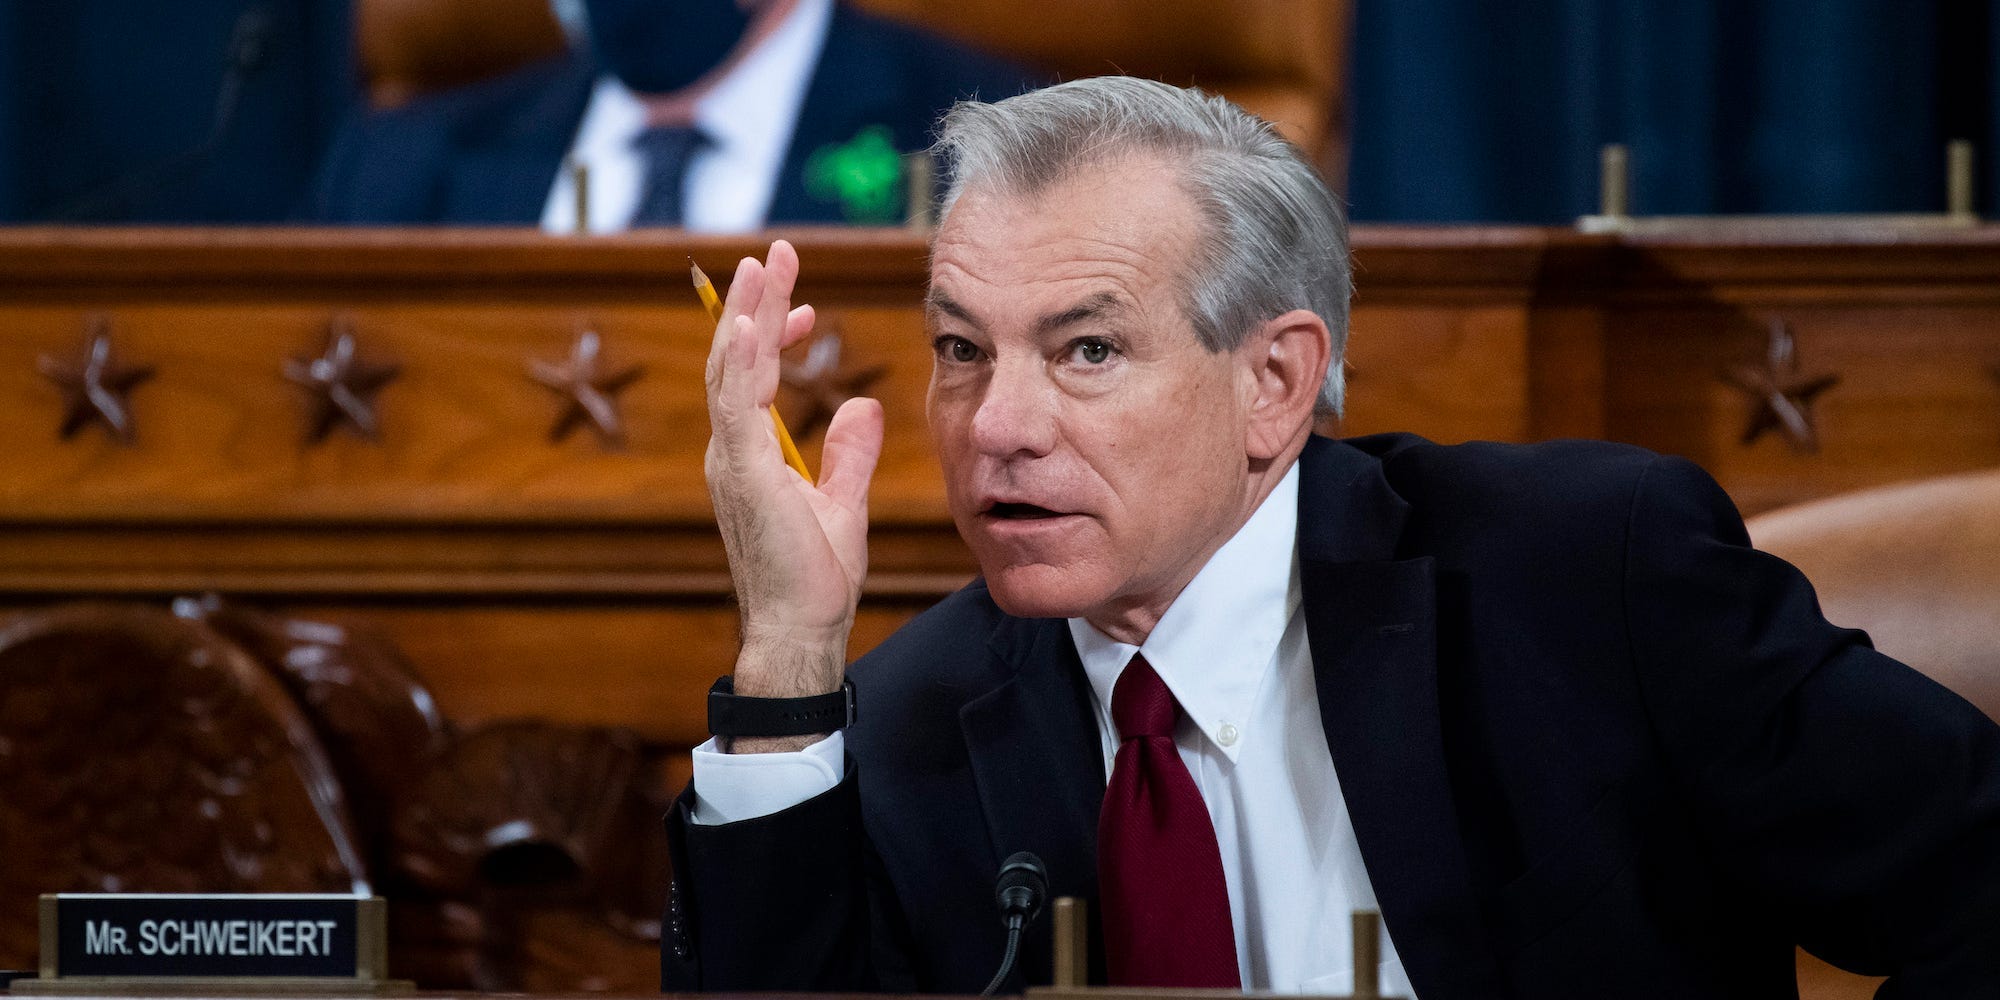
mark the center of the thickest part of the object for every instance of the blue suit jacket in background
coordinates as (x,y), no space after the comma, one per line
(488,153)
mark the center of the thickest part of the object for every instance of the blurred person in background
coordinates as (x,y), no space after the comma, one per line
(713,115)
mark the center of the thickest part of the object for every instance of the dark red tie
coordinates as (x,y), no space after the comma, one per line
(1166,906)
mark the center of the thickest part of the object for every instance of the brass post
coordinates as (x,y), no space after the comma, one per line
(1614,182)
(1072,963)
(921,190)
(371,926)
(50,936)
(1367,956)
(579,176)
(1958,180)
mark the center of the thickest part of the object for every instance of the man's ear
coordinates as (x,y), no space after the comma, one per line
(1287,356)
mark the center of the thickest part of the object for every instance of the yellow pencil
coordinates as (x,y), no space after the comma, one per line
(704,288)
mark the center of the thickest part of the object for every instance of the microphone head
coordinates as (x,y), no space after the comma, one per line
(1021,886)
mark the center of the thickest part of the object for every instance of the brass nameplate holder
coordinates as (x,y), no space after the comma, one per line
(1072,965)
(115,944)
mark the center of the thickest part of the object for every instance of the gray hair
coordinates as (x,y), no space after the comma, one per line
(1276,238)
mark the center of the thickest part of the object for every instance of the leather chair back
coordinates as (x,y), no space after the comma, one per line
(141,752)
(1915,564)
(1283,59)
(409,48)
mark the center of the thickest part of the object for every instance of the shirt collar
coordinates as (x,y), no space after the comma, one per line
(1217,641)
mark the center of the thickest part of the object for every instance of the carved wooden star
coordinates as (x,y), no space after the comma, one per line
(590,393)
(95,384)
(1779,398)
(822,385)
(340,387)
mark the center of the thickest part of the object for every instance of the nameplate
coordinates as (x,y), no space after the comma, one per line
(213,937)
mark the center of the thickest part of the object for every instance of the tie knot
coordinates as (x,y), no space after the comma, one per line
(1141,705)
(666,150)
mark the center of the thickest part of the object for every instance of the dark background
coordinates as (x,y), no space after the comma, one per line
(92,91)
(1462,110)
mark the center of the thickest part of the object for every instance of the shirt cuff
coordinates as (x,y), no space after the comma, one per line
(729,787)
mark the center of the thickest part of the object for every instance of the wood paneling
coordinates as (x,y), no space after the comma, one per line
(526,576)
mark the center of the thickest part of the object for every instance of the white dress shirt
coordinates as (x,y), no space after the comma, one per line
(748,116)
(1232,649)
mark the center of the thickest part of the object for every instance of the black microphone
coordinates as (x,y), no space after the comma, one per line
(1018,891)
(249,50)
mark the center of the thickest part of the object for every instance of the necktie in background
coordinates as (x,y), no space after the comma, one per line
(1166,906)
(666,150)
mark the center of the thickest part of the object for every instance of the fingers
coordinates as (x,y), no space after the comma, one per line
(744,288)
(736,391)
(763,292)
(758,321)
(853,446)
(798,324)
(781,273)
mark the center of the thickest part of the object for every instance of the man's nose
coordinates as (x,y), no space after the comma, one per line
(1017,413)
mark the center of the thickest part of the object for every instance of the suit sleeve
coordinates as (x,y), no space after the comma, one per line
(786,901)
(1854,796)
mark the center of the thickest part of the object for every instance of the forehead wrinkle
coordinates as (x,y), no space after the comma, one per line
(1028,244)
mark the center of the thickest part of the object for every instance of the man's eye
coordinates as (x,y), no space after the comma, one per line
(957,349)
(1093,351)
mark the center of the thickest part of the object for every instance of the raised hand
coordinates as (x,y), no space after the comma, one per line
(797,552)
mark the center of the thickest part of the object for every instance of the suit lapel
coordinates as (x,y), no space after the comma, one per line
(1035,754)
(1041,773)
(1038,763)
(1372,623)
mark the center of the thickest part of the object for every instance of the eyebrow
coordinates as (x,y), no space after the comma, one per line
(938,301)
(1100,304)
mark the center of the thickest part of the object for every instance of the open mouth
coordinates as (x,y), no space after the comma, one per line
(1021,512)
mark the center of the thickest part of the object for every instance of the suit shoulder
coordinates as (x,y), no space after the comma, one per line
(1553,495)
(382,165)
(1548,474)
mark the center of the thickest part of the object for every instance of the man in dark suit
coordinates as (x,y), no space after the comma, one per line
(493,153)
(1588,743)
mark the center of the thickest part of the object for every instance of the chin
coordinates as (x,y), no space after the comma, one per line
(1041,591)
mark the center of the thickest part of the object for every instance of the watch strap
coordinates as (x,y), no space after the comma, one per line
(733,715)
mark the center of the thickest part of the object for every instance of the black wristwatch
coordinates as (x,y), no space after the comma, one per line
(731,715)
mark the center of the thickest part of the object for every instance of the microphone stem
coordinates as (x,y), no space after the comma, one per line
(1014,924)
